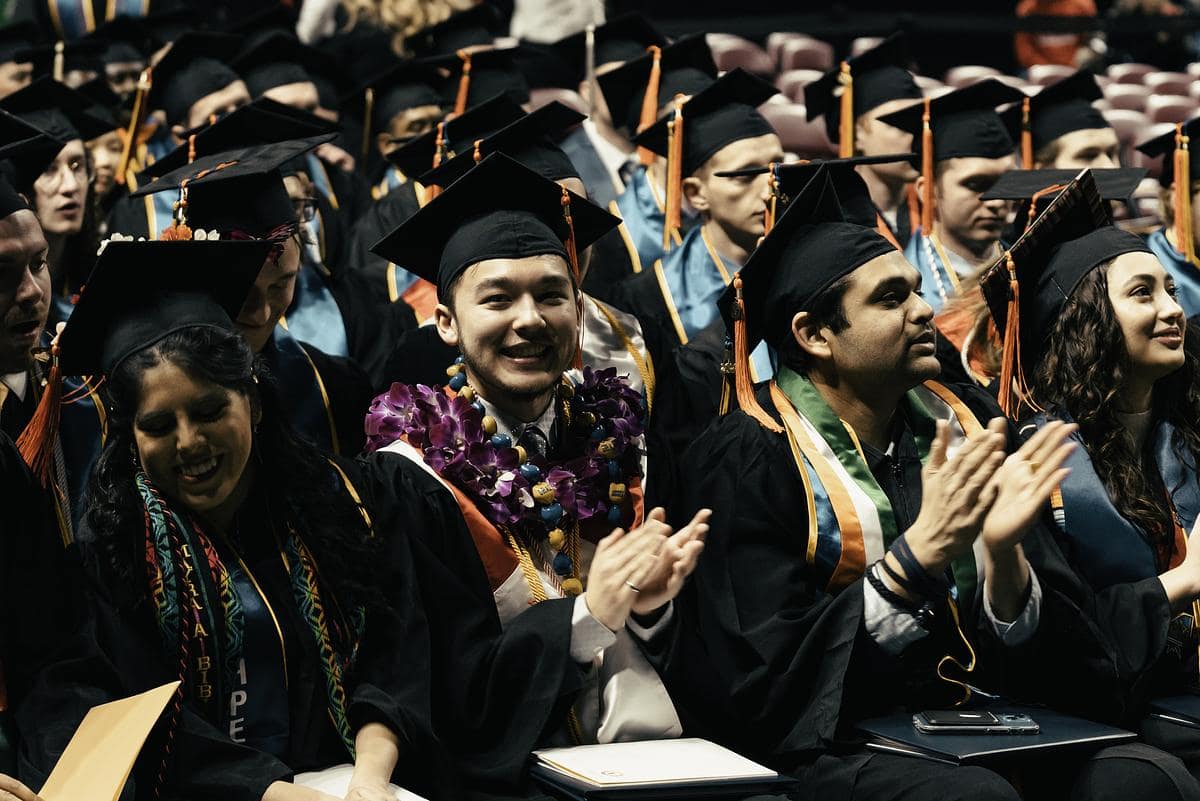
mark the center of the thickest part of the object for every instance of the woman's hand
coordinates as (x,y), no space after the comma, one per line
(1182,583)
(623,561)
(676,561)
(1024,484)
(364,793)
(13,790)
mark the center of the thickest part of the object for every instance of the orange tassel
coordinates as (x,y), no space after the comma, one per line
(478,156)
(1014,389)
(672,220)
(464,83)
(914,206)
(36,442)
(1026,137)
(368,111)
(846,126)
(927,172)
(1033,201)
(439,148)
(135,124)
(573,258)
(191,148)
(650,102)
(743,387)
(1184,239)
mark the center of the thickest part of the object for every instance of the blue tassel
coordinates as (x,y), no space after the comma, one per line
(531,472)
(501,441)
(552,514)
(562,565)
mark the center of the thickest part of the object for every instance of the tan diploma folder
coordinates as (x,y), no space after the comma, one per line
(97,761)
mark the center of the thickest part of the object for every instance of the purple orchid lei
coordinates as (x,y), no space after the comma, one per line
(607,418)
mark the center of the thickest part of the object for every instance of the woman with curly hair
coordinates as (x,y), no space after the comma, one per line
(227,554)
(1097,331)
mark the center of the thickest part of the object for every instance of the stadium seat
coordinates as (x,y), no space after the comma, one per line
(1168,83)
(548,94)
(792,83)
(958,77)
(806,54)
(864,43)
(776,41)
(1137,159)
(1194,90)
(1131,72)
(733,51)
(1170,108)
(1046,74)
(1126,96)
(927,84)
(1145,198)
(1128,124)
(806,139)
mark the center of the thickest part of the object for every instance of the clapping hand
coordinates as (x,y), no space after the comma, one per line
(676,561)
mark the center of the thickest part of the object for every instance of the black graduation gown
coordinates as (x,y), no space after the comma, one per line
(789,667)
(350,394)
(375,222)
(611,263)
(389,684)
(15,413)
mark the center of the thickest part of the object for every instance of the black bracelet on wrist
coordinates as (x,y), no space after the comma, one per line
(926,584)
(898,577)
(895,599)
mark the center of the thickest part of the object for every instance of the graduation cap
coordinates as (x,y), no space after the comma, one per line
(636,90)
(543,66)
(474,77)
(859,84)
(471,28)
(55,60)
(276,58)
(815,243)
(498,210)
(235,193)
(960,124)
(197,65)
(1178,143)
(140,292)
(1028,286)
(399,87)
(16,41)
(1059,109)
(62,113)
(25,149)
(260,122)
(621,39)
(419,154)
(102,97)
(126,40)
(10,200)
(169,24)
(725,112)
(500,126)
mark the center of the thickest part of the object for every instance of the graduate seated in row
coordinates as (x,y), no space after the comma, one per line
(864,544)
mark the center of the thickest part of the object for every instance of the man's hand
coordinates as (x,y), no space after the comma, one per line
(332,154)
(286,791)
(13,790)
(676,561)
(363,793)
(623,561)
(1024,484)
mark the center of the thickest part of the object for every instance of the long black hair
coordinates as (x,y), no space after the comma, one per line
(296,480)
(1084,369)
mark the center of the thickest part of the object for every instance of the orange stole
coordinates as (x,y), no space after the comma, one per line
(422,296)
(954,325)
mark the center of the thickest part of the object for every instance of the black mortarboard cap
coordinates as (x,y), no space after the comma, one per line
(275,58)
(10,200)
(1073,236)
(492,72)
(528,139)
(86,55)
(126,39)
(62,113)
(813,245)
(415,156)
(1058,110)
(621,39)
(141,292)
(237,190)
(475,26)
(169,24)
(964,122)
(1112,184)
(405,85)
(261,122)
(16,41)
(104,101)
(686,66)
(197,65)
(543,66)
(725,112)
(25,150)
(877,76)
(264,20)
(1164,146)
(498,210)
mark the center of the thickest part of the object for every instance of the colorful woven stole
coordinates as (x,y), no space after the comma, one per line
(850,520)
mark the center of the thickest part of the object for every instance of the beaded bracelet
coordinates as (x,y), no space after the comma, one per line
(926,584)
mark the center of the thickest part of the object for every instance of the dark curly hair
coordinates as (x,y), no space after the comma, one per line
(298,480)
(1083,370)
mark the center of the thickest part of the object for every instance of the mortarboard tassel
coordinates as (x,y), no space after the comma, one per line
(178,230)
(846,124)
(927,171)
(573,258)
(1026,137)
(725,404)
(1014,389)
(1033,201)
(439,148)
(650,102)
(672,220)
(914,206)
(59,67)
(743,386)
(464,83)
(368,111)
(476,154)
(191,148)
(589,67)
(135,124)
(1184,241)
(36,443)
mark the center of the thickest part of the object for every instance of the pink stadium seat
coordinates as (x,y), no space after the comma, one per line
(958,77)
(791,83)
(806,54)
(776,41)
(1194,90)
(548,94)
(927,84)
(1045,74)
(1102,105)
(806,139)
(1129,124)
(1136,159)
(733,51)
(1130,73)
(1193,69)
(1168,83)
(1170,108)
(1145,197)
(864,43)
(1125,96)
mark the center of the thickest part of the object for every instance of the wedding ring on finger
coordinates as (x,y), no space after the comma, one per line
(633,586)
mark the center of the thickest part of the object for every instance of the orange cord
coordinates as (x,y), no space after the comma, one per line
(1026,137)
(464,83)
(650,102)
(927,171)
(36,443)
(846,125)
(672,220)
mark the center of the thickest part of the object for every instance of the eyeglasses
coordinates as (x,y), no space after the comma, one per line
(79,166)
(305,208)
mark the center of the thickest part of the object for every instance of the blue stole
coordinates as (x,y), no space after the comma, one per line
(850,521)
(301,390)
(939,282)
(320,178)
(596,177)
(639,207)
(391,179)
(314,316)
(1186,275)
(691,278)
(1104,546)
(258,709)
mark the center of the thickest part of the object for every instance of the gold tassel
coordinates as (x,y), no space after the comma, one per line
(439,148)
(672,220)
(846,126)
(743,386)
(650,102)
(464,83)
(927,172)
(178,230)
(573,258)
(1014,390)
(368,111)
(1184,240)
(135,124)
(1026,137)
(36,443)
(60,57)
(477,155)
